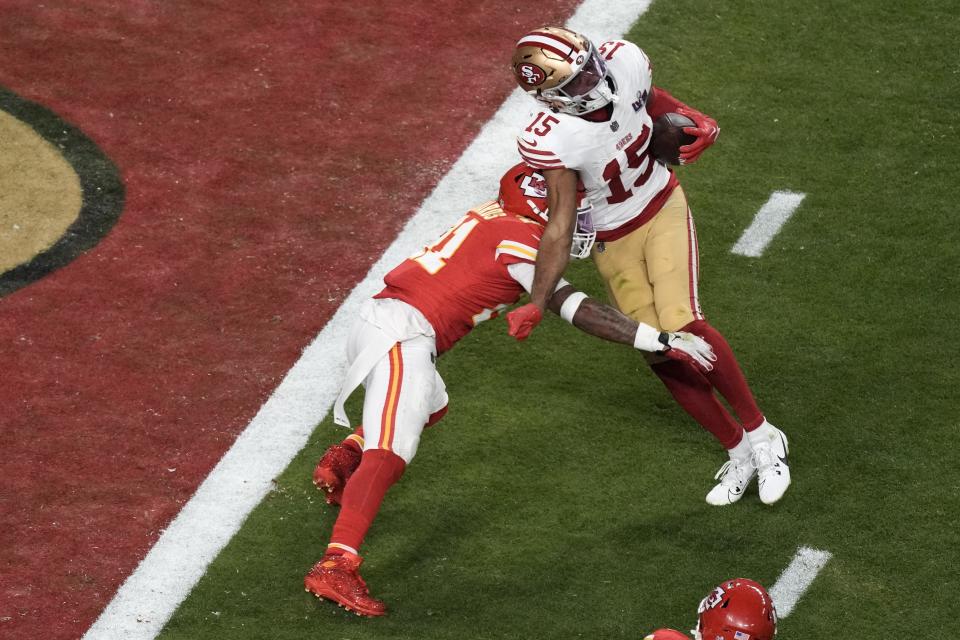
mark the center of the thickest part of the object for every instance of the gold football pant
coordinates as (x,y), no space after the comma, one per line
(651,273)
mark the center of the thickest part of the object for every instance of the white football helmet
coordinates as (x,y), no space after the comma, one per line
(563,70)
(523,191)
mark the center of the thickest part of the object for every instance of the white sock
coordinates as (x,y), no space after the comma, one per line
(764,433)
(742,450)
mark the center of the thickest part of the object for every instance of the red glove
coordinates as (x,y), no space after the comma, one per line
(666,634)
(523,320)
(706,133)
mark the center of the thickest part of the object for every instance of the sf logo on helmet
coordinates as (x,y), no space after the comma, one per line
(531,73)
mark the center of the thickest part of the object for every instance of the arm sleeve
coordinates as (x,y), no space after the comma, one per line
(522,272)
(662,102)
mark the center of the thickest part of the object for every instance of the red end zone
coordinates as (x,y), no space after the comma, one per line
(269,155)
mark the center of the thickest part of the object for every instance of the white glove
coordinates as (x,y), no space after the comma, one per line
(686,347)
(678,345)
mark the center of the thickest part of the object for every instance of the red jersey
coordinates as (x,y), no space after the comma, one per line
(462,280)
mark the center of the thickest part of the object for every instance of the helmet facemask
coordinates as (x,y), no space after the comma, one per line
(584,235)
(583,92)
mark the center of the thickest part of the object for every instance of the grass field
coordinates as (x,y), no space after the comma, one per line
(563,495)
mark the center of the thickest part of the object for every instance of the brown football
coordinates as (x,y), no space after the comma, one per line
(668,136)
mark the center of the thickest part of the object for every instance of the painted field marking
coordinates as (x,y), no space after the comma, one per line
(797,578)
(147,599)
(767,223)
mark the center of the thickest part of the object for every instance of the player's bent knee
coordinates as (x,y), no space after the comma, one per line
(675,317)
(405,448)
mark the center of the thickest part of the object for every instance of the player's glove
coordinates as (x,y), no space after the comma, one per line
(523,320)
(706,133)
(686,347)
(666,634)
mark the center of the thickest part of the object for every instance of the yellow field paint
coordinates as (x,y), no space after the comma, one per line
(40,195)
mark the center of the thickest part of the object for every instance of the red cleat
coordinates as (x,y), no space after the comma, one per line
(335,578)
(334,469)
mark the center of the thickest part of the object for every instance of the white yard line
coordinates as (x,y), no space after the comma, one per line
(767,223)
(797,578)
(145,602)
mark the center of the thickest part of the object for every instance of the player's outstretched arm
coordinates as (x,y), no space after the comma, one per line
(603,321)
(554,252)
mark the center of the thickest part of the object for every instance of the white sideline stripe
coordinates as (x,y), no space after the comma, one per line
(767,223)
(147,599)
(797,578)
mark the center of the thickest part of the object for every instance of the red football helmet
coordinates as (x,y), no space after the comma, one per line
(738,609)
(523,192)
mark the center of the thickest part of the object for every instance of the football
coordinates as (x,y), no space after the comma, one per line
(668,136)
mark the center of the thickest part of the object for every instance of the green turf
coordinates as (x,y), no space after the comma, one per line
(563,495)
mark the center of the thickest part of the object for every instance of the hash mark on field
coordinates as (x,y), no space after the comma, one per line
(797,578)
(767,223)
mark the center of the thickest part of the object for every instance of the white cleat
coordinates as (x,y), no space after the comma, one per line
(770,456)
(734,477)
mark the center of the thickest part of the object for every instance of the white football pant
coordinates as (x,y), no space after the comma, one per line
(392,350)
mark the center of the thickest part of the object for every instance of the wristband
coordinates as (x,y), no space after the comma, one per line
(647,338)
(569,307)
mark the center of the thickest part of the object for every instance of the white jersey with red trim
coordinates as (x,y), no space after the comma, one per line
(621,178)
(463,279)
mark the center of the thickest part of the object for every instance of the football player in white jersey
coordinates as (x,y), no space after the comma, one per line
(596,108)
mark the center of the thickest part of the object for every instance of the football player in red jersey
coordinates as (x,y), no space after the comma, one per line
(596,107)
(431,300)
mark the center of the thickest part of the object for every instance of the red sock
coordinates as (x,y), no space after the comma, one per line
(362,497)
(727,377)
(355,440)
(694,393)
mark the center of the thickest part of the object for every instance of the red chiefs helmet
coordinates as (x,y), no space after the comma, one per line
(523,192)
(737,609)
